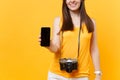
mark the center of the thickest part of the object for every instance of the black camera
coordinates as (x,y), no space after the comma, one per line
(68,64)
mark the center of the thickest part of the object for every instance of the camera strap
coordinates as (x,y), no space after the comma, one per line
(79,39)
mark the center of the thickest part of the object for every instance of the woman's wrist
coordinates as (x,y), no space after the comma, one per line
(98,72)
(53,48)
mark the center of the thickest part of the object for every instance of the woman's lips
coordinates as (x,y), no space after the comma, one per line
(72,5)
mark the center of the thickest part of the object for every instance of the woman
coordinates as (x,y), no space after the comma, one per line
(74,39)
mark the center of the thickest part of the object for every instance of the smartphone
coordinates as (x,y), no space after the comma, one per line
(45,36)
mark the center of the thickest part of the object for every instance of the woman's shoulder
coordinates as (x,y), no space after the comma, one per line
(94,24)
(57,17)
(56,20)
(93,20)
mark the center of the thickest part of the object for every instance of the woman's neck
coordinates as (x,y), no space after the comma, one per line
(75,18)
(75,13)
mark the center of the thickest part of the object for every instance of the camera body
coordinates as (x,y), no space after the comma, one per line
(68,64)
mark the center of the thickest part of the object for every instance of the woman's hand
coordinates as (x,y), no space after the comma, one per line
(53,47)
(39,38)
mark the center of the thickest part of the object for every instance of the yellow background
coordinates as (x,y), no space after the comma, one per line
(21,57)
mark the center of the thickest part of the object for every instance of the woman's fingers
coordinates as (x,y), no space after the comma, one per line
(39,38)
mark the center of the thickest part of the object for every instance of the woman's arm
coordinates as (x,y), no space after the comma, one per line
(55,42)
(95,53)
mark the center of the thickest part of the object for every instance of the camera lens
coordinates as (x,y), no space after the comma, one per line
(69,67)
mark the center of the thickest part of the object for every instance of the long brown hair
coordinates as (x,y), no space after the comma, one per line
(67,20)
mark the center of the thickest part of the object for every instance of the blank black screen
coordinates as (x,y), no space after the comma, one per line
(45,36)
